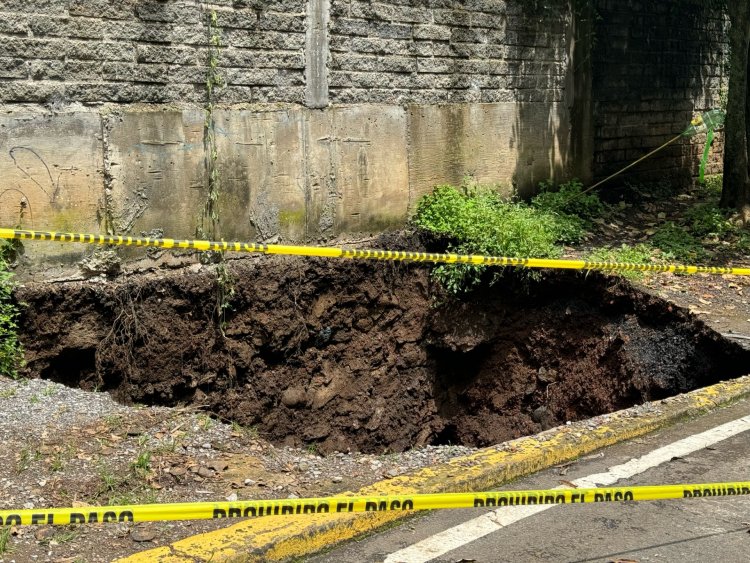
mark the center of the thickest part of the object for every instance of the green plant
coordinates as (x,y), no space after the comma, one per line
(638,254)
(479,221)
(569,199)
(11,351)
(26,458)
(143,462)
(109,481)
(5,546)
(711,187)
(113,421)
(677,244)
(708,220)
(57,462)
(205,422)
(62,536)
(209,221)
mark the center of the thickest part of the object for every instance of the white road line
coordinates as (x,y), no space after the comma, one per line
(460,535)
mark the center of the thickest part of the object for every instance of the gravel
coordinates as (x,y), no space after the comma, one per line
(68,447)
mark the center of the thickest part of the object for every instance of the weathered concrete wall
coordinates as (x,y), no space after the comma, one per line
(51,177)
(329,116)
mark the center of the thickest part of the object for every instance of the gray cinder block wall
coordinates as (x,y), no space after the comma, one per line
(331,117)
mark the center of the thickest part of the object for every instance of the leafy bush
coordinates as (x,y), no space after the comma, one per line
(677,244)
(708,219)
(638,254)
(479,221)
(568,199)
(711,187)
(11,354)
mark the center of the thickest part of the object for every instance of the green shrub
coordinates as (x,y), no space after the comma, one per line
(11,354)
(677,244)
(479,221)
(569,199)
(711,187)
(638,254)
(707,220)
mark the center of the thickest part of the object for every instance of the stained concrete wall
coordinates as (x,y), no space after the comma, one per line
(331,117)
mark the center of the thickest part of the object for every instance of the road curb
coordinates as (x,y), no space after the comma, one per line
(276,539)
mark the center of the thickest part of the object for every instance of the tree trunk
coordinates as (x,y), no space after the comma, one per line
(736,191)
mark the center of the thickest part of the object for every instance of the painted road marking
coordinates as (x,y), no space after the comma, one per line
(472,530)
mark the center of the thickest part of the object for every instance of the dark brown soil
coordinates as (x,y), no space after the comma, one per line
(367,355)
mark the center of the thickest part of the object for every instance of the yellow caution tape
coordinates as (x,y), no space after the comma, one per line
(349,504)
(332,252)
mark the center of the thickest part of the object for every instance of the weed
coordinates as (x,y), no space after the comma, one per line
(62,536)
(26,458)
(247,431)
(57,462)
(11,352)
(312,449)
(113,421)
(638,254)
(109,481)
(711,187)
(142,464)
(50,391)
(8,393)
(34,399)
(569,200)
(677,244)
(205,422)
(5,546)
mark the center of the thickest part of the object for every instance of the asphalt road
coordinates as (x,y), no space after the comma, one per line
(699,530)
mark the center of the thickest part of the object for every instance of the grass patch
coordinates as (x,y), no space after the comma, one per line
(569,201)
(5,546)
(638,254)
(676,243)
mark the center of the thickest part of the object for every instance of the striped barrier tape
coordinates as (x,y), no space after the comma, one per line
(350,504)
(333,252)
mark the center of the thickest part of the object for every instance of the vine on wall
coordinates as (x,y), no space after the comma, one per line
(209,226)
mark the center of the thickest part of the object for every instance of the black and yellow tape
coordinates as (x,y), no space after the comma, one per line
(333,252)
(350,504)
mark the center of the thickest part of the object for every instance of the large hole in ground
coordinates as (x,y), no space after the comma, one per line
(365,356)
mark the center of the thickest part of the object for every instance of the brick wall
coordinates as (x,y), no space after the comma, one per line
(488,51)
(654,64)
(59,51)
(394,51)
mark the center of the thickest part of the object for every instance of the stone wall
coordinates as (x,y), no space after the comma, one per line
(58,52)
(655,64)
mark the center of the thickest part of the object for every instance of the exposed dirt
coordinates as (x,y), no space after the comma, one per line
(368,356)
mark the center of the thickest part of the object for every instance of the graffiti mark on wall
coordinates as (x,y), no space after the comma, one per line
(34,169)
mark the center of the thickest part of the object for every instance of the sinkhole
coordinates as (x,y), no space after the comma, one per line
(372,356)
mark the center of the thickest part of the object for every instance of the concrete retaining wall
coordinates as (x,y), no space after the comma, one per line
(330,117)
